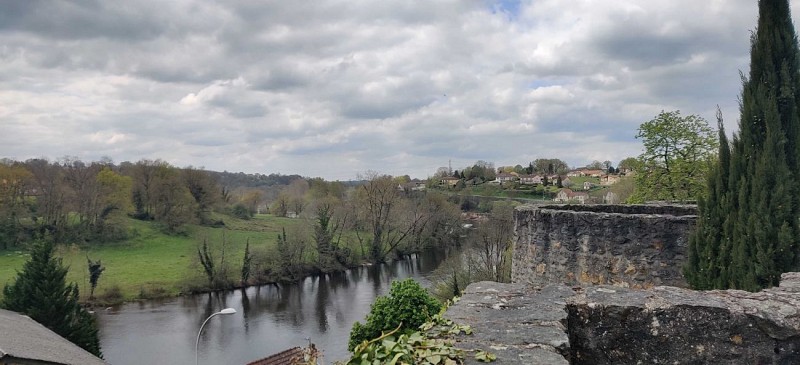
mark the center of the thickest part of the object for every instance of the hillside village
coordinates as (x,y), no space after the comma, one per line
(577,186)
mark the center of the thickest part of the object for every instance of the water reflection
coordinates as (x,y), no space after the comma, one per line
(269,318)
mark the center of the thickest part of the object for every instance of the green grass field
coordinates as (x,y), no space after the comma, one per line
(152,263)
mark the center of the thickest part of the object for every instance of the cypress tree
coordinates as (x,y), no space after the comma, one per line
(41,292)
(748,232)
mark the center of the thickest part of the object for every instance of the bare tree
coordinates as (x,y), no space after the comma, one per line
(51,196)
(204,190)
(15,181)
(280,207)
(389,217)
(493,240)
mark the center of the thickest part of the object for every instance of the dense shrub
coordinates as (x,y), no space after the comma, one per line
(241,212)
(407,303)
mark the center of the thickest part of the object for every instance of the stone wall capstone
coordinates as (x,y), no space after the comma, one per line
(637,246)
(668,325)
(606,324)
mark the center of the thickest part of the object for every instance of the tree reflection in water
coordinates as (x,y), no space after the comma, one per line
(272,317)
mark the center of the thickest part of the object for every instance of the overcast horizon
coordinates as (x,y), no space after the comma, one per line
(336,88)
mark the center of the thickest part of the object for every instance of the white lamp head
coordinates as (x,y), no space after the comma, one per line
(227,311)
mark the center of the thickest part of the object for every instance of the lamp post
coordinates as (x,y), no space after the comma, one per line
(197,343)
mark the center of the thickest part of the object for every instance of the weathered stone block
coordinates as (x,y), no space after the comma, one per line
(668,325)
(637,246)
(518,325)
(614,325)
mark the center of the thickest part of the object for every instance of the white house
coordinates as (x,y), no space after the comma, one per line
(567,195)
(530,179)
(505,177)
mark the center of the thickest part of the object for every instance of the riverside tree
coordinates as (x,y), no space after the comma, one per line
(676,159)
(747,232)
(96,269)
(42,293)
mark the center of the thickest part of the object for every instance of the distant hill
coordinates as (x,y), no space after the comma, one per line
(233,180)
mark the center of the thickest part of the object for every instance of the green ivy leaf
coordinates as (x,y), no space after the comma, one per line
(484,356)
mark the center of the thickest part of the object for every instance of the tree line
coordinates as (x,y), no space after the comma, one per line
(340,227)
(74,201)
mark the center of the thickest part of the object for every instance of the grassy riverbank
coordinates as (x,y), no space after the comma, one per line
(151,263)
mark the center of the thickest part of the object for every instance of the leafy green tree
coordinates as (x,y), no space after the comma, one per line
(407,303)
(240,211)
(549,166)
(748,228)
(42,293)
(325,229)
(112,204)
(595,165)
(677,155)
(629,164)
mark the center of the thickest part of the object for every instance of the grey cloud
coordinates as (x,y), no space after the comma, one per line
(336,87)
(81,19)
(280,78)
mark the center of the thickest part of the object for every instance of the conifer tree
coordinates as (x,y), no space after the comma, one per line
(41,292)
(748,229)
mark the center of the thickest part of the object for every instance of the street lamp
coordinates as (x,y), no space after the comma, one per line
(197,343)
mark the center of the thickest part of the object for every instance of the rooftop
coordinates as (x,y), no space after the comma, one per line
(25,339)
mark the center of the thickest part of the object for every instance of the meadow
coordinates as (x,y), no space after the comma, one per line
(153,264)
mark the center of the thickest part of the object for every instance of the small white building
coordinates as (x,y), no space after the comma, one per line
(530,179)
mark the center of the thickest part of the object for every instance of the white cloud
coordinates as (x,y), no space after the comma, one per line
(341,87)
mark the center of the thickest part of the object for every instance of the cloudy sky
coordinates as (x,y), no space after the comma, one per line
(335,88)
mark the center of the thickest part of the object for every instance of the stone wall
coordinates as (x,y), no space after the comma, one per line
(540,320)
(605,324)
(667,325)
(637,246)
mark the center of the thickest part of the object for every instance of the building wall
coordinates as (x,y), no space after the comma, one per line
(636,246)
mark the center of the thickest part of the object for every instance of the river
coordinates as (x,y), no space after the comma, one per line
(269,319)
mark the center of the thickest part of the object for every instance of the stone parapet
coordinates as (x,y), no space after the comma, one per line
(518,325)
(636,246)
(668,325)
(604,324)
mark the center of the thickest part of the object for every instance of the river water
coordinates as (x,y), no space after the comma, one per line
(269,319)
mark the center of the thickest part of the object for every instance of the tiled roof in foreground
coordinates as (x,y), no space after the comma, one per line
(293,356)
(23,338)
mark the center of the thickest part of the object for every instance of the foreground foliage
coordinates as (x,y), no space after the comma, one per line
(41,292)
(431,344)
(407,306)
(748,231)
(412,348)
